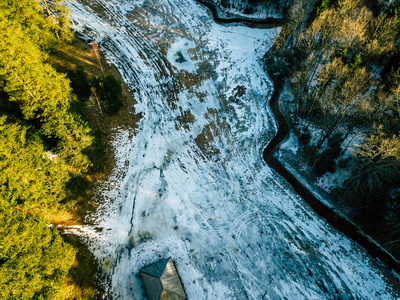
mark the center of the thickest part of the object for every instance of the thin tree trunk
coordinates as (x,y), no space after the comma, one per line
(328,132)
(51,17)
(93,89)
(21,81)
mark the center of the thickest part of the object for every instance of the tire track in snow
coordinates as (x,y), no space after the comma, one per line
(212,195)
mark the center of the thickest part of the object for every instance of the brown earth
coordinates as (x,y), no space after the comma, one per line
(82,281)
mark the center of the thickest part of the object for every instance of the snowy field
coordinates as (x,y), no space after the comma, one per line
(191,183)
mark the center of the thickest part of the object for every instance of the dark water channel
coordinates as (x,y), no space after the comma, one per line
(264,23)
(334,218)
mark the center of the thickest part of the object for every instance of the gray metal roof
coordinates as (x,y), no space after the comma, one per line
(161,281)
(152,285)
(157,268)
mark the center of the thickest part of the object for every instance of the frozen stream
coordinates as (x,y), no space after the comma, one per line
(191,183)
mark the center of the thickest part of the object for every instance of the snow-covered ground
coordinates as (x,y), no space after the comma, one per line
(191,183)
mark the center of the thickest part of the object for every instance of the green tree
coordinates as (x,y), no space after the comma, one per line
(323,6)
(42,94)
(34,260)
(43,30)
(28,174)
(42,145)
(109,91)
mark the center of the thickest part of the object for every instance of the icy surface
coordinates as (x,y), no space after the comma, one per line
(191,184)
(249,9)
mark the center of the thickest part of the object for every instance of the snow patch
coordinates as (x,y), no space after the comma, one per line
(289,144)
(329,181)
(180,57)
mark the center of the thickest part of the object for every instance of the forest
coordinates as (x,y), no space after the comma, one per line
(47,146)
(341,64)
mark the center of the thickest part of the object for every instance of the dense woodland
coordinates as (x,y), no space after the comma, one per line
(45,145)
(341,64)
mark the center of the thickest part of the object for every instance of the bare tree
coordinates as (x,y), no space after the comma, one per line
(97,53)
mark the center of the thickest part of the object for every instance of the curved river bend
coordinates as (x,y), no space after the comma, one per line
(191,183)
(332,216)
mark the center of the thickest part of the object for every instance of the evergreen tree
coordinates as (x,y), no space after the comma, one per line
(42,94)
(109,90)
(42,29)
(29,175)
(42,144)
(34,260)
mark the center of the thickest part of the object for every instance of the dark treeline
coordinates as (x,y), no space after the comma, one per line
(44,146)
(341,62)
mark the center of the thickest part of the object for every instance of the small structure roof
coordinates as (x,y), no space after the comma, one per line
(161,281)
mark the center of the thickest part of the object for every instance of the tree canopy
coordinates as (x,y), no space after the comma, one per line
(42,145)
(34,260)
(42,94)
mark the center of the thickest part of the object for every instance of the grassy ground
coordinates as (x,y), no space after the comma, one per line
(81,282)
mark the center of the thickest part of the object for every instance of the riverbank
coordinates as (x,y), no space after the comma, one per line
(328,174)
(325,210)
(229,18)
(334,217)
